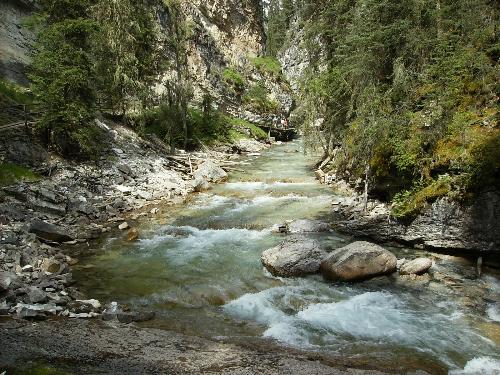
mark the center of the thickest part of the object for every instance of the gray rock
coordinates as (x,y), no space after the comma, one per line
(38,311)
(50,265)
(4,308)
(6,279)
(211,172)
(114,312)
(444,224)
(358,261)
(417,266)
(294,257)
(36,295)
(49,232)
(308,226)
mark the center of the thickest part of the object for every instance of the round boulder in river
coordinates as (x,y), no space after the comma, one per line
(294,257)
(417,266)
(358,261)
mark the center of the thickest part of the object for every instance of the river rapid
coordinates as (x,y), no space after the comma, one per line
(198,267)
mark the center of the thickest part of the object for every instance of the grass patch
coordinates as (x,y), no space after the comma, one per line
(12,173)
(234,79)
(12,93)
(267,65)
(255,131)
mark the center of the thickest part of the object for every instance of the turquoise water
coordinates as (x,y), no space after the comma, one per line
(199,268)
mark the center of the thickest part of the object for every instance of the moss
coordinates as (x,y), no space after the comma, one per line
(12,173)
(267,65)
(234,79)
(408,203)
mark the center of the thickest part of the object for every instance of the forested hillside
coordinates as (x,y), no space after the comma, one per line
(189,73)
(402,94)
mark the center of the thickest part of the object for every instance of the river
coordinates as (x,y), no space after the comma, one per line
(198,266)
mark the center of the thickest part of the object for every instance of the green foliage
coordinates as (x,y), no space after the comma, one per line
(408,203)
(12,173)
(267,65)
(234,79)
(407,87)
(125,52)
(13,93)
(62,76)
(254,130)
(257,99)
(280,14)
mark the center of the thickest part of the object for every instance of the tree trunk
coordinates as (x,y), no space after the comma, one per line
(365,197)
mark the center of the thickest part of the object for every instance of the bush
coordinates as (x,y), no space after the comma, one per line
(234,79)
(267,65)
(254,130)
(10,92)
(257,99)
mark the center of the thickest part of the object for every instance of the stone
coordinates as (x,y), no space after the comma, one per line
(4,308)
(417,266)
(38,311)
(133,235)
(36,295)
(200,184)
(114,312)
(358,261)
(308,226)
(82,315)
(27,268)
(123,189)
(154,211)
(211,172)
(123,226)
(50,265)
(400,262)
(6,279)
(296,256)
(49,232)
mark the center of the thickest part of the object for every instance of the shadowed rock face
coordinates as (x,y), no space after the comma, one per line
(358,261)
(445,224)
(15,40)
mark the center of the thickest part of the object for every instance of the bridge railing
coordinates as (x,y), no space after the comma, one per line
(15,116)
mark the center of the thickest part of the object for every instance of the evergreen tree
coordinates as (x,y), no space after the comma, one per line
(62,76)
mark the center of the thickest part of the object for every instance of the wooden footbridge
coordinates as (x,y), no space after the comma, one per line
(16,116)
(280,133)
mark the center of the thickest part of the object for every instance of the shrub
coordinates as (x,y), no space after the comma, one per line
(234,79)
(267,65)
(257,99)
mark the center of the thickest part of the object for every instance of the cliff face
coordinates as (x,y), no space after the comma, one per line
(15,40)
(225,33)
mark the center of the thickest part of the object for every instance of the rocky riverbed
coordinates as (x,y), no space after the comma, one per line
(76,203)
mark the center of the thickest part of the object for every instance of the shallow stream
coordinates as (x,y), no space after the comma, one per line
(198,267)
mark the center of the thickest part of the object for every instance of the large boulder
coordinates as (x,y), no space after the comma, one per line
(308,226)
(294,257)
(211,172)
(49,232)
(417,266)
(358,261)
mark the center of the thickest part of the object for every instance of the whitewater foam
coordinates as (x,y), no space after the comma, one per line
(479,366)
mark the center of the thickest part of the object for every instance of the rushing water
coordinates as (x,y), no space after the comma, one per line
(199,269)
